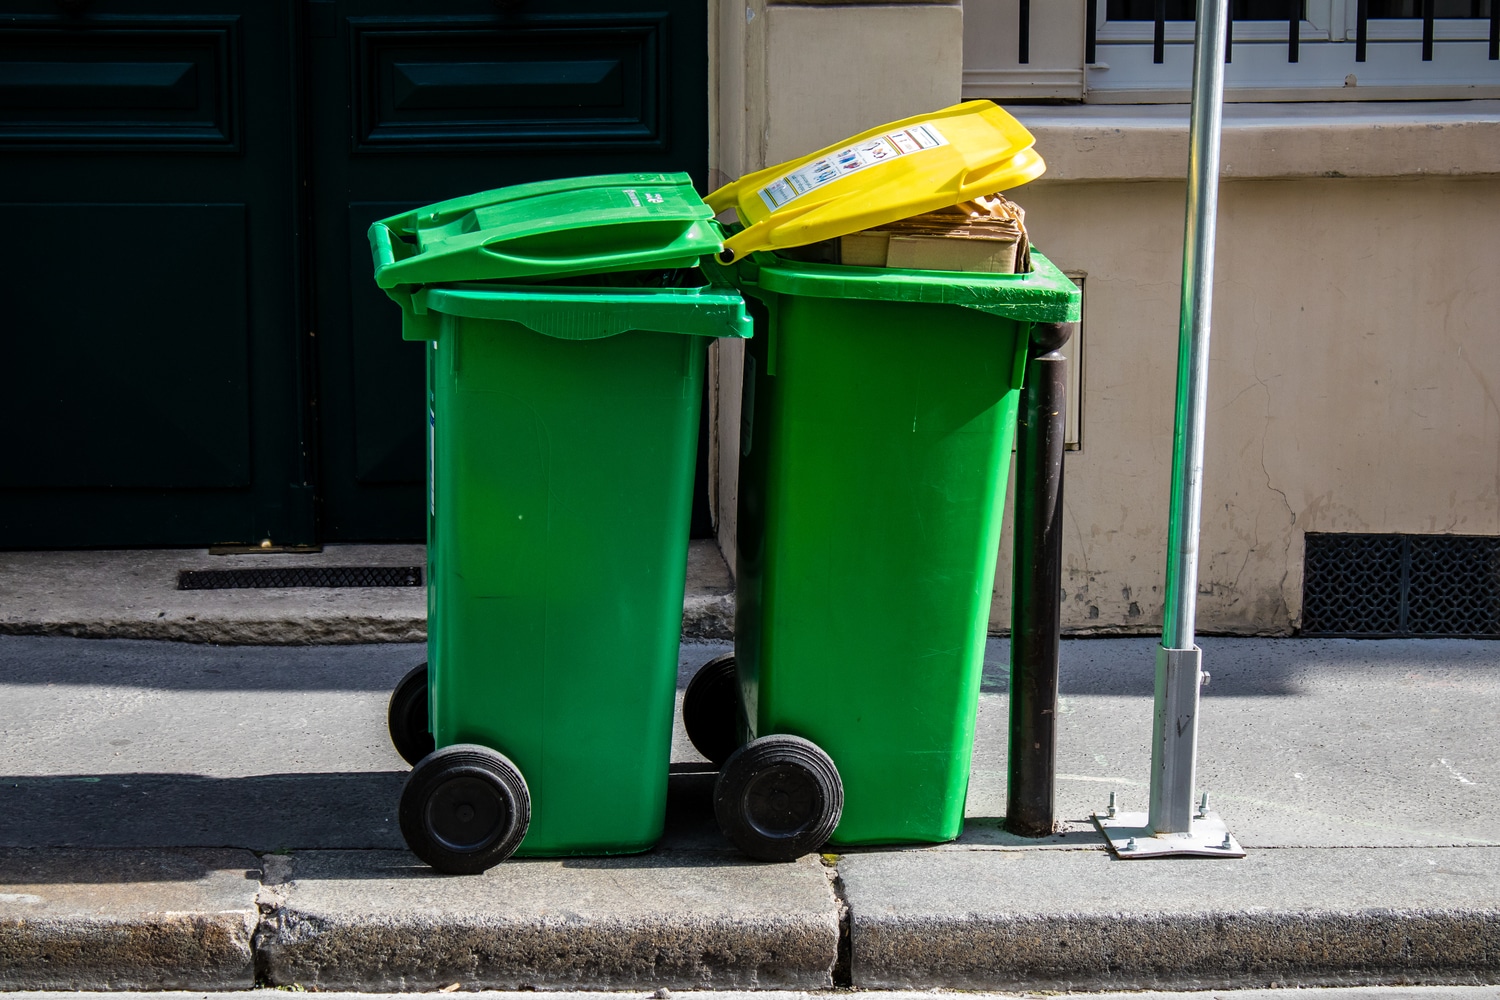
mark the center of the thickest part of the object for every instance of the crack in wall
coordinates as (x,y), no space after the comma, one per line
(1291,534)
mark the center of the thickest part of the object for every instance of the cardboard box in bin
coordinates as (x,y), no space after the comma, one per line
(987,235)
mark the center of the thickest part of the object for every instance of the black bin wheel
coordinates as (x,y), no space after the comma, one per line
(711,708)
(778,797)
(465,808)
(406,718)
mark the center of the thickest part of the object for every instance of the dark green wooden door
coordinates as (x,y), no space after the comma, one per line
(413,103)
(149,371)
(193,350)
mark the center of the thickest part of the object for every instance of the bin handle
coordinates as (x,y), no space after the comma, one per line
(1026,165)
(568,260)
(725,197)
(386,247)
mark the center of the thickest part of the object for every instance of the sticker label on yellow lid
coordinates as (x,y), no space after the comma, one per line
(849,160)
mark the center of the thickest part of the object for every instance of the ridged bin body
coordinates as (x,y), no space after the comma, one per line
(880,415)
(561,490)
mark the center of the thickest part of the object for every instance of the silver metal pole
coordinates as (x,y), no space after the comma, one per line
(1174,745)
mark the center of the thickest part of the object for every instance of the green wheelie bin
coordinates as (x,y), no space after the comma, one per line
(568,322)
(880,410)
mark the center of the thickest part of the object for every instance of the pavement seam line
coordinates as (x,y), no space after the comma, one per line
(275,874)
(843,963)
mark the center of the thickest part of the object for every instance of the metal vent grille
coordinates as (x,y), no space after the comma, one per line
(300,576)
(1401,585)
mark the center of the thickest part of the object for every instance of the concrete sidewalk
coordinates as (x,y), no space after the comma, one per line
(200,817)
(133,594)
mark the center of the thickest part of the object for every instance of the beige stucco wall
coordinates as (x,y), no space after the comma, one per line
(1354,382)
(1355,371)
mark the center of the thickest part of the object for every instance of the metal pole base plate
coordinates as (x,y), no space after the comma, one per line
(1130,837)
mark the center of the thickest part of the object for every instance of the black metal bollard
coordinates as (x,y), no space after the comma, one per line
(1036,591)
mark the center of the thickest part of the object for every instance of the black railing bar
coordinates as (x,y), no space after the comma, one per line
(1159,36)
(1229,35)
(1091,38)
(1294,31)
(1023,34)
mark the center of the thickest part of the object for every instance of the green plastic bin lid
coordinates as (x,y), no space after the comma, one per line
(551,229)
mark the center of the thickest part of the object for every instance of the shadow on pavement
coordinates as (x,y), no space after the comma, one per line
(181,666)
(1241,667)
(266,813)
(185,666)
(26,867)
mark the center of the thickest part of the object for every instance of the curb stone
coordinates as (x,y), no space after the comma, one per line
(76,919)
(681,920)
(1083,920)
(213,919)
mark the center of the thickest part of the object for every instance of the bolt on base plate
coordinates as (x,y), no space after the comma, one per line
(1130,837)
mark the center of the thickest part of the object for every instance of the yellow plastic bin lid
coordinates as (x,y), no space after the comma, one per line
(905,168)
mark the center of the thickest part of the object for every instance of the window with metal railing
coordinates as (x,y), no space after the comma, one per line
(1140,51)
